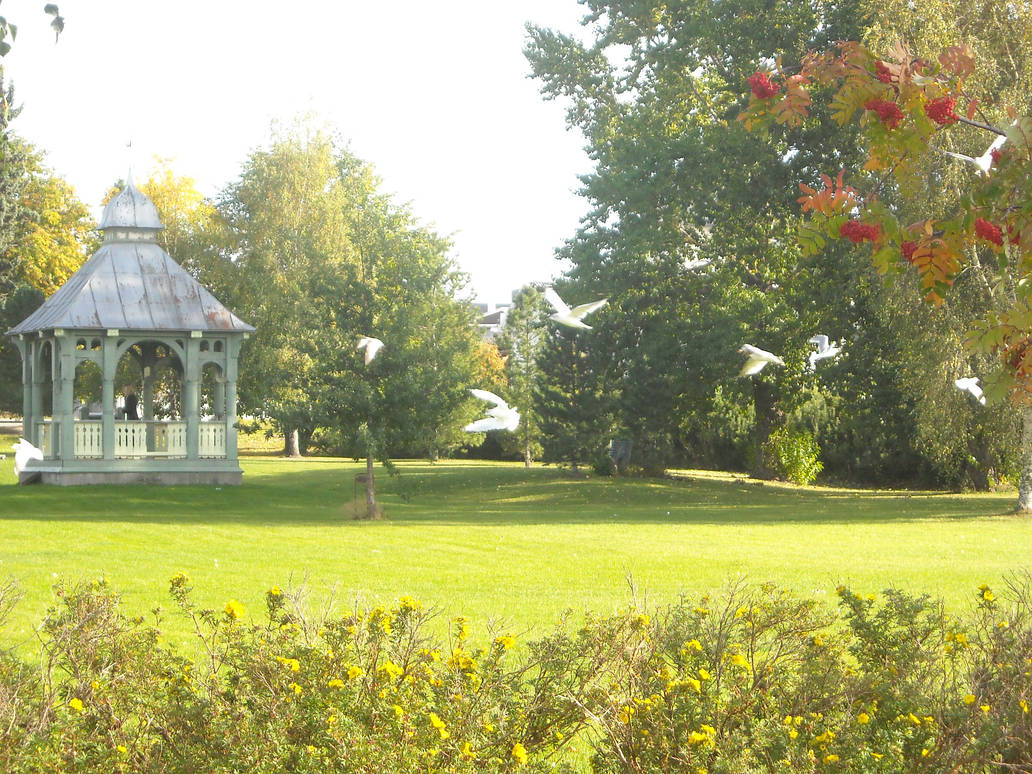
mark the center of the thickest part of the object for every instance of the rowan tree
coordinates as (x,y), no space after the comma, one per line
(907,107)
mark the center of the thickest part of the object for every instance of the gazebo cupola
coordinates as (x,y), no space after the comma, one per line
(131,329)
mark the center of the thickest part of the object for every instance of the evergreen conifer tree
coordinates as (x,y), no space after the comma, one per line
(575,401)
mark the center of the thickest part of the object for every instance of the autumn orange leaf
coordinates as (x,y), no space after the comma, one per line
(835,198)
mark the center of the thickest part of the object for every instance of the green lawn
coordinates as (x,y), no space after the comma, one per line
(492,540)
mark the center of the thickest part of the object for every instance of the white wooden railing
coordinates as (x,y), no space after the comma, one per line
(45,437)
(89,439)
(211,440)
(134,439)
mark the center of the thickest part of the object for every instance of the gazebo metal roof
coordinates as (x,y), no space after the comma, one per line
(131,284)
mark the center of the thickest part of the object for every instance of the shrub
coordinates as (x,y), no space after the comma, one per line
(757,680)
(794,455)
(765,682)
(365,691)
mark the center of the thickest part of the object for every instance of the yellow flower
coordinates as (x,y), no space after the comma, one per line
(296,688)
(877,756)
(969,699)
(234,609)
(985,708)
(440,725)
(863,718)
(505,642)
(398,710)
(831,758)
(519,753)
(693,645)
(75,704)
(467,751)
(275,591)
(695,684)
(355,671)
(739,660)
(914,719)
(336,682)
(625,714)
(293,663)
(925,752)
(122,749)
(704,675)
(818,641)
(641,621)
(1024,706)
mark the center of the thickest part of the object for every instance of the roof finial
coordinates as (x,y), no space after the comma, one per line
(129,153)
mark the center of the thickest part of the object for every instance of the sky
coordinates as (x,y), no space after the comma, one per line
(434,94)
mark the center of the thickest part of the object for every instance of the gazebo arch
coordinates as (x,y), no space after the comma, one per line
(130,299)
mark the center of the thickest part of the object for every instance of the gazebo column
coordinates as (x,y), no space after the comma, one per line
(108,369)
(31,434)
(191,378)
(66,358)
(147,399)
(231,402)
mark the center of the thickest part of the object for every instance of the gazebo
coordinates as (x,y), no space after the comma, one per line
(133,321)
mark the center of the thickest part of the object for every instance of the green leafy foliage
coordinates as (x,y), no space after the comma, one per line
(794,455)
(521,342)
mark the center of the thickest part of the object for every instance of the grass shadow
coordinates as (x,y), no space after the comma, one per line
(320,491)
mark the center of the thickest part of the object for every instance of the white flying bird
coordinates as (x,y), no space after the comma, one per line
(824,351)
(970,384)
(501,416)
(697,263)
(23,452)
(758,359)
(572,318)
(985,161)
(371,347)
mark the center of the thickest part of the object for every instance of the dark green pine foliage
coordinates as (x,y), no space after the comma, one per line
(18,305)
(576,398)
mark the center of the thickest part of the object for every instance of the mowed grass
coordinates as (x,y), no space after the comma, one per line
(494,541)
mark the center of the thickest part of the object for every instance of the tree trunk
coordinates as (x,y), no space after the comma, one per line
(1025,484)
(767,417)
(291,444)
(526,455)
(370,487)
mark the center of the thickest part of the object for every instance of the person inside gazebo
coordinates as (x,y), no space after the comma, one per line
(131,402)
